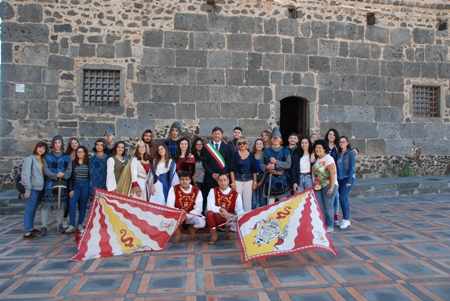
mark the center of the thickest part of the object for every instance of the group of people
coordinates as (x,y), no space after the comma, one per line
(213,182)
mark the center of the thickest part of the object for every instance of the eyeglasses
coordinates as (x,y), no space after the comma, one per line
(242,142)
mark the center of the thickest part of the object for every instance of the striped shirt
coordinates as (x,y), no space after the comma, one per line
(81,171)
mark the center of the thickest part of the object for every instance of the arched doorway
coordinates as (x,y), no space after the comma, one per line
(293,117)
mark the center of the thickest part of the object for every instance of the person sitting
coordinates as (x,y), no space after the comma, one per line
(224,206)
(186,197)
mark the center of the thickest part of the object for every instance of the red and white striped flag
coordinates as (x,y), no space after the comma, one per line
(291,225)
(118,224)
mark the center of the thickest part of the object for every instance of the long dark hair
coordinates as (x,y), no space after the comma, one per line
(40,144)
(158,156)
(194,149)
(336,134)
(86,155)
(69,149)
(114,152)
(300,150)
(178,150)
(254,145)
(348,146)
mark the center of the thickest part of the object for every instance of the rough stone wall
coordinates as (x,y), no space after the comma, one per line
(230,65)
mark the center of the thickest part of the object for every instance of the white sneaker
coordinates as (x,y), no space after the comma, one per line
(330,229)
(65,224)
(345,223)
(71,229)
(80,227)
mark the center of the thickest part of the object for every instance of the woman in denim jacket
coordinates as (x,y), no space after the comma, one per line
(346,162)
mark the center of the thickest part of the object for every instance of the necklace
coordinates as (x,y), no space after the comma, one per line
(243,155)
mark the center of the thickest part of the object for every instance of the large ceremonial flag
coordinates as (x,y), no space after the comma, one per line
(118,224)
(291,225)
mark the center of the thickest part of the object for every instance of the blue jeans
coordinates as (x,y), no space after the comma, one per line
(258,199)
(305,182)
(30,210)
(336,201)
(80,192)
(343,196)
(326,204)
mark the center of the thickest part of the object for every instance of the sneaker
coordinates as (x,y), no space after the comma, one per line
(345,223)
(65,224)
(330,229)
(30,236)
(338,223)
(71,229)
(80,227)
(61,229)
(44,231)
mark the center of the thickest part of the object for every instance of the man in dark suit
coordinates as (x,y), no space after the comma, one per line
(216,156)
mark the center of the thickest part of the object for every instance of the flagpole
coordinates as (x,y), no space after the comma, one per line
(223,224)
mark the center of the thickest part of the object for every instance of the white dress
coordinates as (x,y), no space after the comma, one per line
(163,178)
(140,176)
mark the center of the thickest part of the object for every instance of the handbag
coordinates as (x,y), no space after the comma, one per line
(19,186)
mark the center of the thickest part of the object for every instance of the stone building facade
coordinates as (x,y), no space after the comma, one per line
(307,65)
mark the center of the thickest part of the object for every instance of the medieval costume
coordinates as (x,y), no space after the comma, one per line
(169,142)
(218,199)
(97,168)
(55,162)
(191,201)
(109,132)
(277,178)
(114,170)
(139,177)
(162,178)
(135,176)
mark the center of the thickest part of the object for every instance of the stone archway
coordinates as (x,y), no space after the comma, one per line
(293,117)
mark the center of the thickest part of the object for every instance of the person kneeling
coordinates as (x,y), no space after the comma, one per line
(186,197)
(224,206)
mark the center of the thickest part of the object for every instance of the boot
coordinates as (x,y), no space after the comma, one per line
(228,233)
(192,232)
(178,236)
(214,236)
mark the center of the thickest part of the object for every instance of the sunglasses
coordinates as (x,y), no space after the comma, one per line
(243,142)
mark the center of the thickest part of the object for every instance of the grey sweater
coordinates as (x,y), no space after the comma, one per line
(32,176)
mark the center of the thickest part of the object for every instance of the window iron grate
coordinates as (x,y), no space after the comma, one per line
(101,87)
(425,101)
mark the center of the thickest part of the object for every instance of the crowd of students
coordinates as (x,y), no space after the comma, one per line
(219,180)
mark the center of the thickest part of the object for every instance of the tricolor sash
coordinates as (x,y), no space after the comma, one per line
(216,154)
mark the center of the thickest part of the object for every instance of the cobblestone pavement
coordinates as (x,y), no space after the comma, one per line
(397,248)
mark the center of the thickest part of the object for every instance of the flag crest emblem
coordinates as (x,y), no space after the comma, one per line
(291,225)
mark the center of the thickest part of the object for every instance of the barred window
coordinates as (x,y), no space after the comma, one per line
(425,101)
(101,87)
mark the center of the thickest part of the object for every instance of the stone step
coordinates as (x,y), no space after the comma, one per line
(372,188)
(364,188)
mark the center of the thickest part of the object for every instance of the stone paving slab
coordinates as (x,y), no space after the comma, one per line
(396,249)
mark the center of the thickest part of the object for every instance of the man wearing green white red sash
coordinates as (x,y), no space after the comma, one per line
(216,155)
